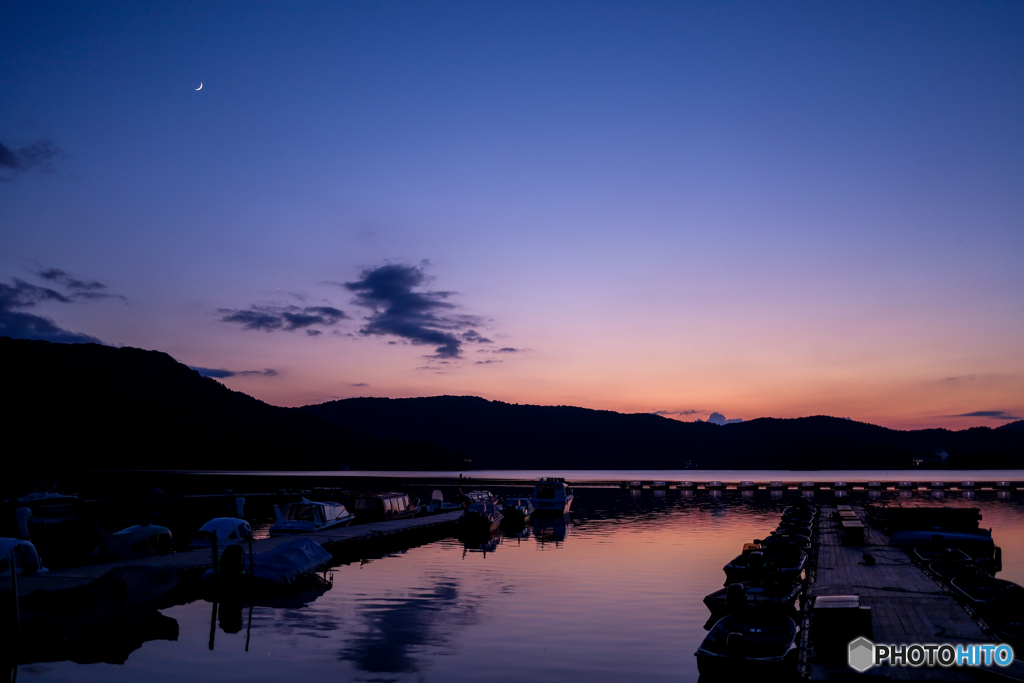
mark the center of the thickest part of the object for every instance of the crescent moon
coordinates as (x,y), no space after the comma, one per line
(200,87)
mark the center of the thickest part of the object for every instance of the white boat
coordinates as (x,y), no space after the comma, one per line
(308,516)
(26,558)
(140,540)
(229,530)
(551,496)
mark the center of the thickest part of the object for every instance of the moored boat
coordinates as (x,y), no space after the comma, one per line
(383,507)
(26,557)
(766,594)
(480,519)
(781,563)
(752,643)
(227,531)
(308,516)
(292,561)
(140,540)
(517,511)
(551,497)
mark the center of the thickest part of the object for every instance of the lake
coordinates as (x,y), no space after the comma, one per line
(613,594)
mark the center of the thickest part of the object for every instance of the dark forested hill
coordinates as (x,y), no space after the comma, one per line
(493,434)
(93,406)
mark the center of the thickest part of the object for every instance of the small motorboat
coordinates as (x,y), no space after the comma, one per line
(759,643)
(738,597)
(794,530)
(552,497)
(780,563)
(999,602)
(931,553)
(308,516)
(800,511)
(517,511)
(26,557)
(777,540)
(140,540)
(480,519)
(227,531)
(49,496)
(438,503)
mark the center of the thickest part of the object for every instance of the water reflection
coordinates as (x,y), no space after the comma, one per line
(394,629)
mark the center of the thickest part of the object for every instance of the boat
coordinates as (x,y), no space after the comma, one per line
(759,643)
(140,540)
(551,497)
(49,496)
(291,562)
(893,518)
(632,484)
(308,516)
(785,541)
(517,511)
(26,557)
(438,503)
(779,563)
(932,553)
(978,544)
(1000,603)
(480,519)
(477,497)
(227,531)
(768,594)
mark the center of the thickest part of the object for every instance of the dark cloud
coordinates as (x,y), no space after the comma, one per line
(680,413)
(39,155)
(80,289)
(474,337)
(508,349)
(488,362)
(719,419)
(994,414)
(17,324)
(218,373)
(288,318)
(359,384)
(398,310)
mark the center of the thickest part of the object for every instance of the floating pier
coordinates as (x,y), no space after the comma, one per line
(338,541)
(906,604)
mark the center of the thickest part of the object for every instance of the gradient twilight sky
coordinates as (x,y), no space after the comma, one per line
(762,209)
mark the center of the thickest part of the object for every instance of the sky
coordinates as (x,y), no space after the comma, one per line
(756,209)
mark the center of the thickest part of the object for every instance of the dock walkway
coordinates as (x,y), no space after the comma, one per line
(202,558)
(907,605)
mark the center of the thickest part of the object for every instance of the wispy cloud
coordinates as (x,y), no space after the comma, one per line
(994,414)
(219,373)
(678,413)
(40,155)
(400,309)
(359,384)
(19,297)
(287,318)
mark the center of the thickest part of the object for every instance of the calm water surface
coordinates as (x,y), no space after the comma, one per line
(613,594)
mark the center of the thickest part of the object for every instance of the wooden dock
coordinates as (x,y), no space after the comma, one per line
(334,540)
(907,605)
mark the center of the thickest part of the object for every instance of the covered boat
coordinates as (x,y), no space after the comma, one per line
(48,496)
(999,602)
(738,597)
(308,516)
(383,507)
(551,497)
(140,540)
(26,558)
(759,643)
(227,531)
(292,561)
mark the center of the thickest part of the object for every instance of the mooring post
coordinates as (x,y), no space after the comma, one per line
(14,589)
(216,565)
(252,560)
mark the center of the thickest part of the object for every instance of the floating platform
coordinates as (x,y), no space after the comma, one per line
(335,540)
(906,604)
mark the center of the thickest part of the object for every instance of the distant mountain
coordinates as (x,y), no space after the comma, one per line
(91,406)
(492,434)
(1017,426)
